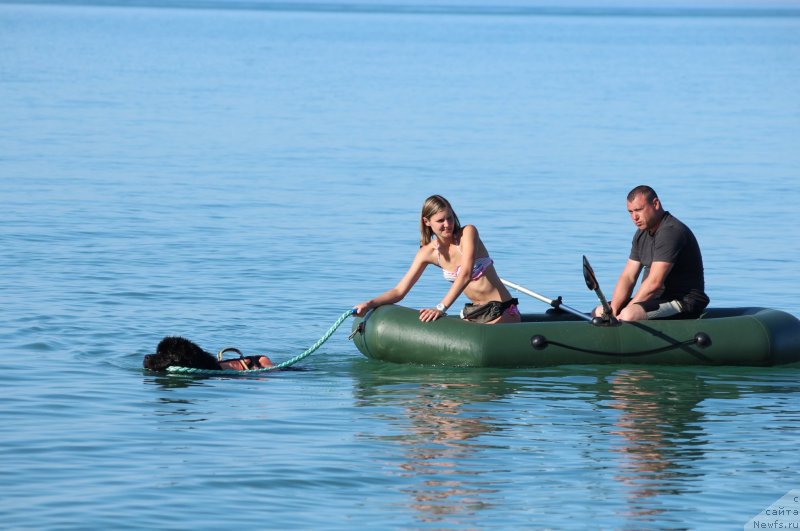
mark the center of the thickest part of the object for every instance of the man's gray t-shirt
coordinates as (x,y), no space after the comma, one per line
(673,242)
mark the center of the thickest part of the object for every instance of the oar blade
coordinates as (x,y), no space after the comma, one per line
(588,275)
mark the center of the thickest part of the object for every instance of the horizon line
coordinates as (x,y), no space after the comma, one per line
(433,9)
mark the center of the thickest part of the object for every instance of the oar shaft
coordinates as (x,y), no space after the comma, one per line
(545,300)
(526,291)
(603,301)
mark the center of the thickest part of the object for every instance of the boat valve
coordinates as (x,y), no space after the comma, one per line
(359,329)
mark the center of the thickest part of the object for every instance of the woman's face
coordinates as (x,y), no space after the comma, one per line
(441,223)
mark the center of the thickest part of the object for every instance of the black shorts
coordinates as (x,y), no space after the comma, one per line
(486,313)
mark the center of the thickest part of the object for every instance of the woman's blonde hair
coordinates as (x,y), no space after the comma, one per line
(432,206)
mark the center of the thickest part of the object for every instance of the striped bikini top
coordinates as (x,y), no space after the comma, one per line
(478,268)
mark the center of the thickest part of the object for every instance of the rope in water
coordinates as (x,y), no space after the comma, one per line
(287,363)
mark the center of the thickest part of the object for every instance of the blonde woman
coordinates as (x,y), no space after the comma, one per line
(464,261)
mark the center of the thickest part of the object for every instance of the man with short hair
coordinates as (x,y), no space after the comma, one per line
(673,284)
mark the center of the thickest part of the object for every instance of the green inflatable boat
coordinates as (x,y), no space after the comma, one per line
(722,336)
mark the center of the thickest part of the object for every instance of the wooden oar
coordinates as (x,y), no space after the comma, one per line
(554,303)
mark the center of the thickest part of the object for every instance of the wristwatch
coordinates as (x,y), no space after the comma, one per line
(442,308)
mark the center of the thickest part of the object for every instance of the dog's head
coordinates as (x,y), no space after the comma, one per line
(179,352)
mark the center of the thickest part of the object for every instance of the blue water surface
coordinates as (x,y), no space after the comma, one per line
(242,177)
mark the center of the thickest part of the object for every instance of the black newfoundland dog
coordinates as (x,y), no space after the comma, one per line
(180,352)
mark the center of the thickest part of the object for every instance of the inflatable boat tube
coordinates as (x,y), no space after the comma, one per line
(721,336)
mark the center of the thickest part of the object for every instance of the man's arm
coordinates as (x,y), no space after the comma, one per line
(654,283)
(625,284)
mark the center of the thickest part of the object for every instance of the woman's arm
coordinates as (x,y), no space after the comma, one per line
(397,293)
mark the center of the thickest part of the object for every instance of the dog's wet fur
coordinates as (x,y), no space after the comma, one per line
(179,352)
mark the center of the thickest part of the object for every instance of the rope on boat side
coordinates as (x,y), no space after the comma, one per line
(287,363)
(701,339)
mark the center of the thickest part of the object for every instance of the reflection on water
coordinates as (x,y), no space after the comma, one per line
(658,430)
(636,444)
(173,411)
(437,448)
(441,422)
(460,450)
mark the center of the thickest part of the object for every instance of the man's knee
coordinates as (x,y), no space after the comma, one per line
(632,312)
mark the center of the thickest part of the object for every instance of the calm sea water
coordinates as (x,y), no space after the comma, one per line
(243,177)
